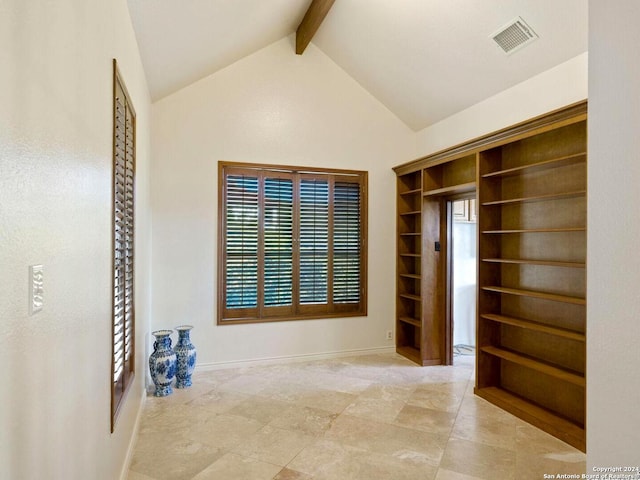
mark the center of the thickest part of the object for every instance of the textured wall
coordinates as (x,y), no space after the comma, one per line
(55,181)
(613,396)
(271,107)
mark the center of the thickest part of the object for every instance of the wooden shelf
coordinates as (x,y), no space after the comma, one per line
(411,321)
(533,294)
(453,189)
(409,352)
(542,418)
(537,198)
(411,192)
(415,255)
(408,234)
(537,365)
(410,275)
(536,326)
(410,296)
(538,230)
(521,261)
(413,212)
(539,166)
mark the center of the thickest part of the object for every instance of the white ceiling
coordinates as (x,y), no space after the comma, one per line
(423,59)
(182,41)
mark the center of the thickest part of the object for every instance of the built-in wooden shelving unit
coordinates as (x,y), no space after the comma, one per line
(532,277)
(531,189)
(409,262)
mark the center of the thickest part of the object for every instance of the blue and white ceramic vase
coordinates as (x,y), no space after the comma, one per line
(186,354)
(162,363)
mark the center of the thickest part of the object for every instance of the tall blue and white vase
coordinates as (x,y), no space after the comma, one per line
(186,353)
(162,363)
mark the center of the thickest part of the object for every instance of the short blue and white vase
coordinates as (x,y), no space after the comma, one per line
(162,363)
(186,354)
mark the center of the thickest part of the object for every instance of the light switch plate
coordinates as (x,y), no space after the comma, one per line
(36,290)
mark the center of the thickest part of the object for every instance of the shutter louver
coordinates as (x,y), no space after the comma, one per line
(278,242)
(314,241)
(346,243)
(241,241)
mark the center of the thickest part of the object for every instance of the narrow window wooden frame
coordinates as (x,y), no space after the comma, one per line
(297,311)
(123,236)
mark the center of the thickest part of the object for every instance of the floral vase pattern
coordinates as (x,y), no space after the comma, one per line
(186,354)
(162,363)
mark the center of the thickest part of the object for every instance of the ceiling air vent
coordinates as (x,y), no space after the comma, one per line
(514,35)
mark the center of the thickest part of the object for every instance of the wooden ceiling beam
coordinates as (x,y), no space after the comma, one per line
(311,22)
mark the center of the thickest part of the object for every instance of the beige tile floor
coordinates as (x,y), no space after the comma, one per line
(371,417)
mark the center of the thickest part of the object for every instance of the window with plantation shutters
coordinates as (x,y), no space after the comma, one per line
(124,158)
(292,243)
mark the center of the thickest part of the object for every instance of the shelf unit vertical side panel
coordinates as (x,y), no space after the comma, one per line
(489,246)
(432,294)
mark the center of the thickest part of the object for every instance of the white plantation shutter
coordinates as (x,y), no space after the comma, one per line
(278,242)
(292,243)
(346,242)
(314,241)
(123,246)
(242,241)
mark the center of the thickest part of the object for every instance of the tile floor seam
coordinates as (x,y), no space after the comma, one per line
(444,450)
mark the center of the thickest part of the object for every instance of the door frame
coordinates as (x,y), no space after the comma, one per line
(446,226)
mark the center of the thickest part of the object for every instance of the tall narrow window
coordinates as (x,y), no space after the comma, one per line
(292,243)
(123,320)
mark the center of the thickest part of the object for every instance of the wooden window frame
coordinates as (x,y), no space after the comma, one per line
(296,311)
(123,244)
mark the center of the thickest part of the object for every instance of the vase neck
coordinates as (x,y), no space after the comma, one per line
(164,342)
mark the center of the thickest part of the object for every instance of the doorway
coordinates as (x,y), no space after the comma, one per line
(462,264)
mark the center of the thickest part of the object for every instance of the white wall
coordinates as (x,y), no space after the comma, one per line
(271,107)
(55,183)
(556,88)
(613,316)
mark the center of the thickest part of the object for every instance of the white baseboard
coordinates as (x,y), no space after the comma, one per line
(306,357)
(134,438)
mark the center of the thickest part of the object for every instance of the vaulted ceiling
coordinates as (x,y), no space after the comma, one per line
(423,59)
